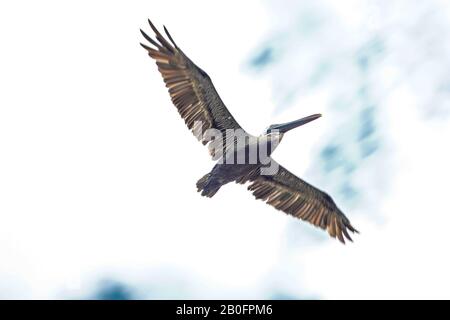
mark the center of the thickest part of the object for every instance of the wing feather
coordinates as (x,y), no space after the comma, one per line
(290,194)
(190,88)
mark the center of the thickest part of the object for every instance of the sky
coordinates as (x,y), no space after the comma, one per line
(98,172)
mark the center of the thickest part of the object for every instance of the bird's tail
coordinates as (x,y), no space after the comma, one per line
(207,187)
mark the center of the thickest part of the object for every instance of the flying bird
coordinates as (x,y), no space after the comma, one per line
(193,94)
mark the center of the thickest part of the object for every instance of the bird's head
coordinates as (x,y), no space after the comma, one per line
(285,127)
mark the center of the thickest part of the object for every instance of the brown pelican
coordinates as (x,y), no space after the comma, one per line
(193,94)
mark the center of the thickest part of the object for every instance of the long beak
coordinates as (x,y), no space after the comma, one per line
(285,127)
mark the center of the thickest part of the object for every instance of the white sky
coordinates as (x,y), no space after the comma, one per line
(98,172)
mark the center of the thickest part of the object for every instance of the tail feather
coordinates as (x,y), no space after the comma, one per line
(207,187)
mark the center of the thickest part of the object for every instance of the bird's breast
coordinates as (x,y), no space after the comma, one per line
(255,150)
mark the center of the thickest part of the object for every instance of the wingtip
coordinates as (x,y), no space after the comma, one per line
(152,26)
(170,37)
(146,36)
(341,237)
(349,238)
(160,38)
(150,23)
(144,46)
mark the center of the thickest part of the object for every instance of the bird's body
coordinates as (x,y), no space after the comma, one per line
(240,157)
(244,161)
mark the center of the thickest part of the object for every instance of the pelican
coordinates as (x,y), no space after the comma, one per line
(197,101)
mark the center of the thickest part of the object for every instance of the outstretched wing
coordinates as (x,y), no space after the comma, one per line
(290,194)
(190,88)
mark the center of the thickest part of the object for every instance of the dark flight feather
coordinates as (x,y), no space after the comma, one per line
(290,194)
